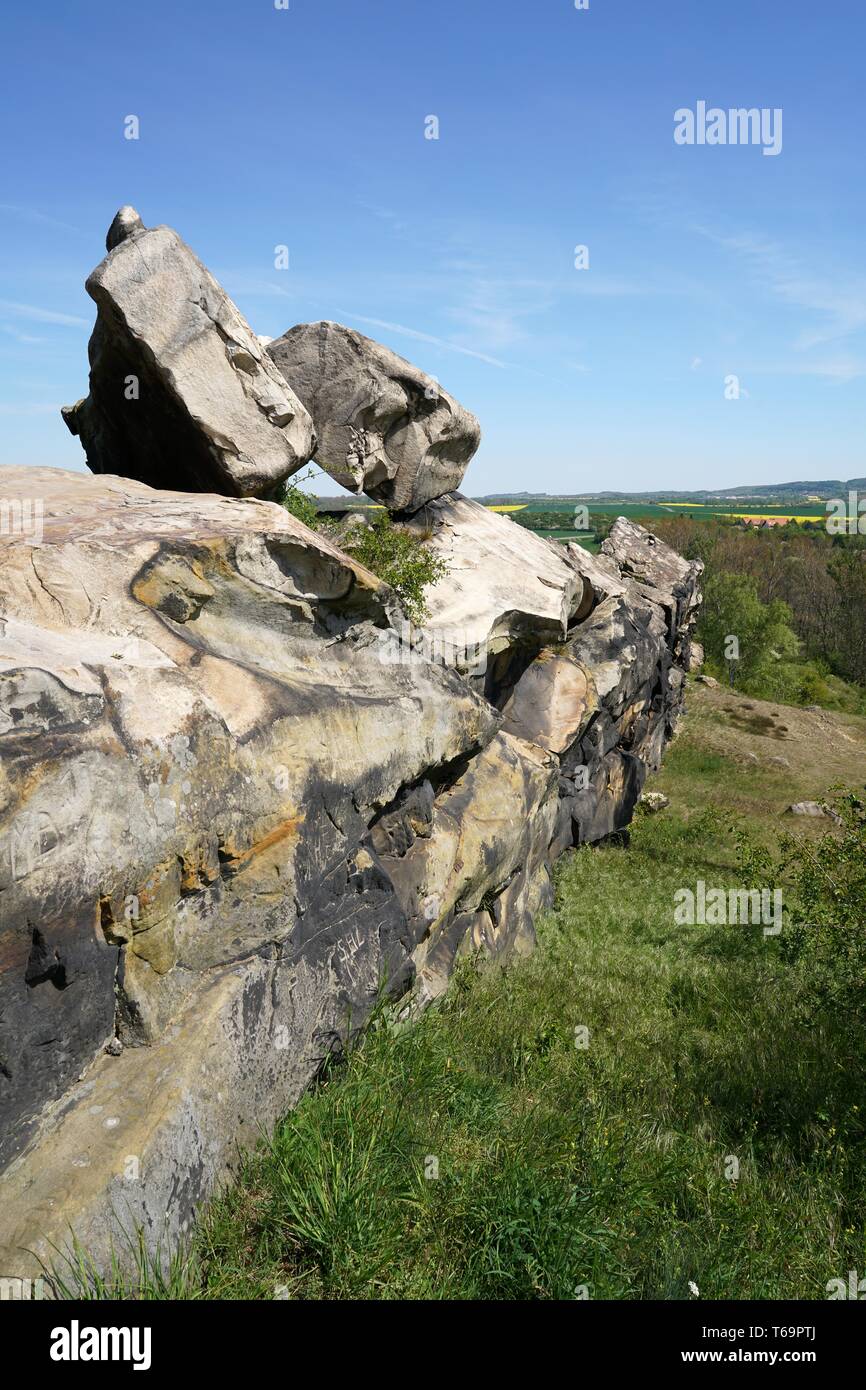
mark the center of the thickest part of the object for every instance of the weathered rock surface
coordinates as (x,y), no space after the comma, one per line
(229,818)
(471,865)
(608,700)
(182,691)
(661,575)
(384,427)
(182,394)
(696,658)
(507,592)
(240,797)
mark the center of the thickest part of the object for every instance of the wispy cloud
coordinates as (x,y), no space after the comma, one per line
(41,218)
(39,315)
(839,300)
(396,223)
(425,338)
(19,336)
(841,370)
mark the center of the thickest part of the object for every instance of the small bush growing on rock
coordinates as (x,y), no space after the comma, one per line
(393,553)
(300,504)
(399,558)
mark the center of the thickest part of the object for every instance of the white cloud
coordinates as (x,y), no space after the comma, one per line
(39,315)
(426,338)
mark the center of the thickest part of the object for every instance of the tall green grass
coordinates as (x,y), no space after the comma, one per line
(484,1152)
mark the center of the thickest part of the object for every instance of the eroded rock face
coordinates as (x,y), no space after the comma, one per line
(607,702)
(471,864)
(229,817)
(507,592)
(182,394)
(384,427)
(197,731)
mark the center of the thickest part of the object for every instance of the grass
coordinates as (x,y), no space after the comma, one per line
(567,1126)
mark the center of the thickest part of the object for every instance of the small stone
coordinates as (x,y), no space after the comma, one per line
(126,223)
(813,808)
(653,801)
(114,1048)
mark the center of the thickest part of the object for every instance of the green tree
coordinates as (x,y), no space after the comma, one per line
(764,635)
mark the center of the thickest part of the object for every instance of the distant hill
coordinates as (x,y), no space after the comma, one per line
(821,489)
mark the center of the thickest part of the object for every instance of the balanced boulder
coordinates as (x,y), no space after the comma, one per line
(182,394)
(384,427)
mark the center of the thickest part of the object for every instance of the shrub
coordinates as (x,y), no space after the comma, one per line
(399,558)
(300,504)
(826,902)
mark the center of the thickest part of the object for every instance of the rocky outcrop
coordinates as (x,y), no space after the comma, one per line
(182,692)
(241,797)
(470,866)
(182,393)
(507,592)
(384,427)
(227,822)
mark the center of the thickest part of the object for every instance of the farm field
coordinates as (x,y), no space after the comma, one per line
(532,512)
(800,512)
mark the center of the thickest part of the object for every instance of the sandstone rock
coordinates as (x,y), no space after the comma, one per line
(552,702)
(709,681)
(384,427)
(181,391)
(696,657)
(603,576)
(644,557)
(625,647)
(228,818)
(126,223)
(471,864)
(198,732)
(507,592)
(658,573)
(607,701)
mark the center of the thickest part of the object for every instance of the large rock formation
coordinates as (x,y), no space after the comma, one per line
(384,427)
(506,594)
(183,693)
(181,392)
(241,798)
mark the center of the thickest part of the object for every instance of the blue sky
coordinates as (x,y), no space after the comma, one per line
(306,127)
